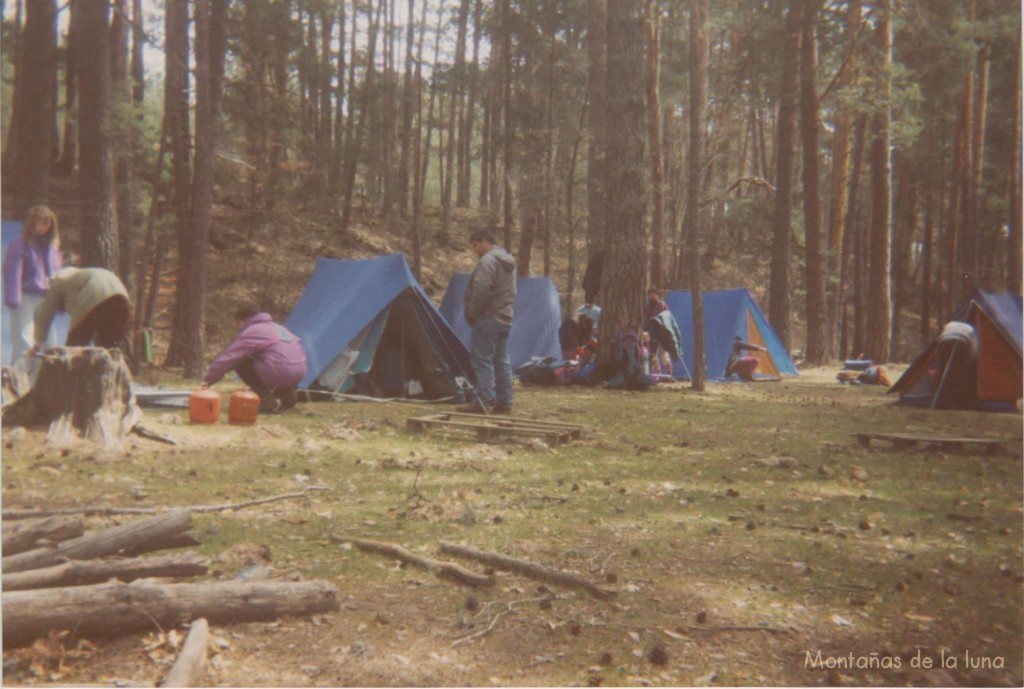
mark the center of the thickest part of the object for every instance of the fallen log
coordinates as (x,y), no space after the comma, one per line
(80,392)
(103,543)
(190,666)
(20,537)
(528,569)
(82,572)
(444,570)
(110,610)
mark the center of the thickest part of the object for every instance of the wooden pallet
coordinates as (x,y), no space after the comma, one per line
(495,427)
(905,441)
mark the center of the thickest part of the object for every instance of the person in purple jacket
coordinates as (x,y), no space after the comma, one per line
(33,257)
(267,357)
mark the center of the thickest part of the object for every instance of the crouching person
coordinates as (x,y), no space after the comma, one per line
(267,357)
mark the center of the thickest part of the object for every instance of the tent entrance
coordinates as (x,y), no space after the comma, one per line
(393,356)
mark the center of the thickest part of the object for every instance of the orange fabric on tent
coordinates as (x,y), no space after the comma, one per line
(767,364)
(1000,374)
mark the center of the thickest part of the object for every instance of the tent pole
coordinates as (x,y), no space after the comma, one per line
(945,372)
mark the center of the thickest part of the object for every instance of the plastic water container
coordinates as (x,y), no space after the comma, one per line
(243,407)
(204,406)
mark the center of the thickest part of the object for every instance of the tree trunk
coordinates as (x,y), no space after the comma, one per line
(96,172)
(654,132)
(101,544)
(841,146)
(1014,255)
(695,215)
(124,143)
(879,312)
(66,165)
(622,288)
(30,140)
(508,133)
(111,610)
(352,152)
(779,287)
(814,254)
(79,392)
(597,65)
(405,137)
(176,111)
(454,107)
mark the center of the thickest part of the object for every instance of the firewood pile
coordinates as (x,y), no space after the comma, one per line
(59,579)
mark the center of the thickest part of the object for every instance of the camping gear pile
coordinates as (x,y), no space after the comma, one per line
(862,372)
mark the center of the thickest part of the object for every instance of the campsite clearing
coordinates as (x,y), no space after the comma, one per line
(747,539)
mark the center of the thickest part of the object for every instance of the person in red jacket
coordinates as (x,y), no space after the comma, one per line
(268,358)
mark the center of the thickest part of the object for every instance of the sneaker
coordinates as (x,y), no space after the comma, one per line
(472,409)
(270,404)
(504,409)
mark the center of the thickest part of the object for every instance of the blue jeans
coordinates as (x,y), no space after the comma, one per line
(489,357)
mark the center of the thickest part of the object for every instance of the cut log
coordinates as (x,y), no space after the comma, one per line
(21,536)
(110,610)
(444,570)
(109,542)
(80,572)
(528,569)
(190,666)
(14,383)
(168,542)
(80,392)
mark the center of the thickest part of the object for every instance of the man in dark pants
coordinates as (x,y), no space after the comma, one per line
(490,295)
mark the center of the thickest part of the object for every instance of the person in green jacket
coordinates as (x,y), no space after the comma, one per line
(97,302)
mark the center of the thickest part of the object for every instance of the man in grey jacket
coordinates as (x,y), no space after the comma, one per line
(488,310)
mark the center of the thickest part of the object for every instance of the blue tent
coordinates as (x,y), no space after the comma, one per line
(59,329)
(535,320)
(728,314)
(369,328)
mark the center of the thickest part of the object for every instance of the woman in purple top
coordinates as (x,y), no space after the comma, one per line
(31,259)
(267,357)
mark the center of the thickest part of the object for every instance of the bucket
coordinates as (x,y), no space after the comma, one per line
(243,407)
(204,406)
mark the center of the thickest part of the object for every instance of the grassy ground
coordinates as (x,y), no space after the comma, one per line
(749,539)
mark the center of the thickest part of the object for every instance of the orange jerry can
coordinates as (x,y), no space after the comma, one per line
(243,407)
(204,406)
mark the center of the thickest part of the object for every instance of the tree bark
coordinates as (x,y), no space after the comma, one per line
(654,133)
(79,392)
(66,165)
(107,542)
(82,572)
(30,139)
(23,536)
(100,245)
(694,183)
(189,668)
(779,282)
(879,312)
(597,68)
(814,254)
(112,610)
(622,288)
(1014,255)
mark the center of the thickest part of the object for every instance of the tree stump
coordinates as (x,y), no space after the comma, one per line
(80,392)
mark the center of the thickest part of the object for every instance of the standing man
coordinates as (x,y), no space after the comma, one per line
(488,310)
